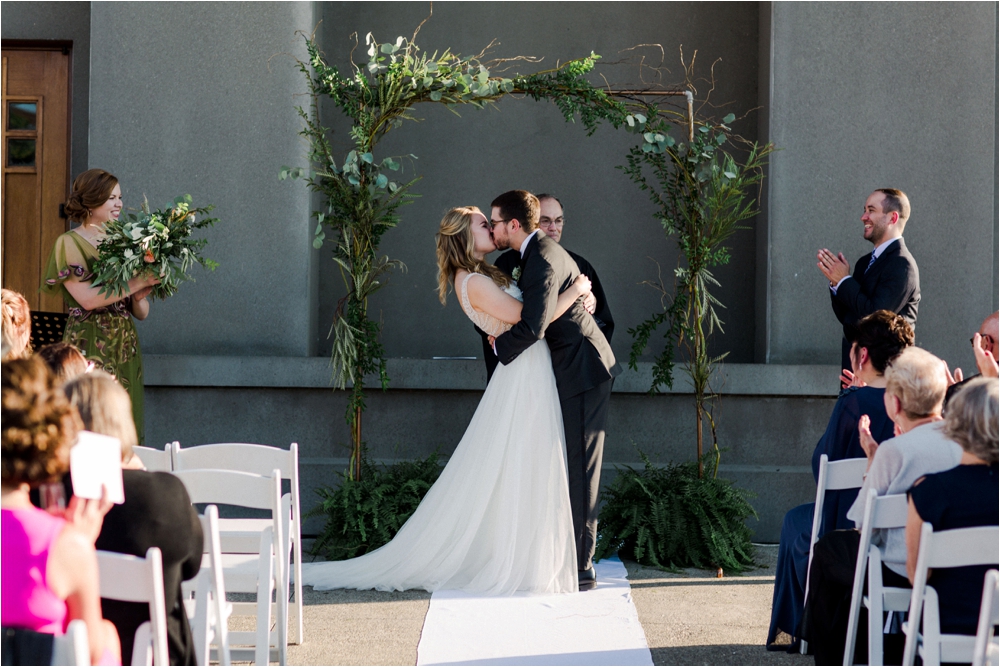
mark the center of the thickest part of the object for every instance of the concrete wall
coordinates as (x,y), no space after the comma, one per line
(867,95)
(60,21)
(526,144)
(770,418)
(198,98)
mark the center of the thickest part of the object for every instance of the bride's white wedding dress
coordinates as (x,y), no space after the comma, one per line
(498,519)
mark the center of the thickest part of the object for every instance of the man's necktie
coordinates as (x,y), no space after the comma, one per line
(871,261)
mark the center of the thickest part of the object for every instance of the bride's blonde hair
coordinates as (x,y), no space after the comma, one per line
(456,250)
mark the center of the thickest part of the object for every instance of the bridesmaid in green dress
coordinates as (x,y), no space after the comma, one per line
(100,325)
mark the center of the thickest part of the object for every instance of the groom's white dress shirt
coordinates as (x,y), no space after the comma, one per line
(526,241)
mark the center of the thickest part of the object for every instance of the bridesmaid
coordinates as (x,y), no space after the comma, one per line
(100,325)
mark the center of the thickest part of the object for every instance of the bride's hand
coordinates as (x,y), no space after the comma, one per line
(582,285)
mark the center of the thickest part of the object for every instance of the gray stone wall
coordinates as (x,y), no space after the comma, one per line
(866,95)
(526,144)
(197,98)
(770,418)
(62,21)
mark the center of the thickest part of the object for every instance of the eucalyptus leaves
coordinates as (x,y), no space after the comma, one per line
(157,242)
(701,196)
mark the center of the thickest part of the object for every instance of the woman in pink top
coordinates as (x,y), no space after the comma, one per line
(49,566)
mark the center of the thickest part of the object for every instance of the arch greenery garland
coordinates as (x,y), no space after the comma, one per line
(698,189)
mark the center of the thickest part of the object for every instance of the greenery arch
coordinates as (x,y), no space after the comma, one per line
(699,191)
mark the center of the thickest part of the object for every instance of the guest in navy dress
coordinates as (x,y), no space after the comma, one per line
(967,495)
(877,339)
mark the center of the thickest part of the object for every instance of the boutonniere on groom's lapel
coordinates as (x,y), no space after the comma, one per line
(516,273)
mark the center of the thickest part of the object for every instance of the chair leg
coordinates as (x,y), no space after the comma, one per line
(265,589)
(299,621)
(875,637)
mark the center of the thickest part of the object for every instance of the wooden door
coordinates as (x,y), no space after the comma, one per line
(36,114)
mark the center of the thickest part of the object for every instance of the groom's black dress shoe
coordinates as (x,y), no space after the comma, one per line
(587,579)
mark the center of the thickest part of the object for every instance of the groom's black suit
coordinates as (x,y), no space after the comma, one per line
(584,367)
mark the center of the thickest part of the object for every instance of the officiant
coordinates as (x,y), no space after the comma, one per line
(552,221)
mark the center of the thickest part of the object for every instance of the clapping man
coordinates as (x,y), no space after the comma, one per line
(885,279)
(551,221)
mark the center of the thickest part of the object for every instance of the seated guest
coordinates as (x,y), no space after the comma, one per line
(963,497)
(985,350)
(157,512)
(50,574)
(878,338)
(64,360)
(16,326)
(915,386)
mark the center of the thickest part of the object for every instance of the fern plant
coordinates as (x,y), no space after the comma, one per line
(672,517)
(365,512)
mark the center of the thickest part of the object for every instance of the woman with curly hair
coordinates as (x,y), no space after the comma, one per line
(50,574)
(100,325)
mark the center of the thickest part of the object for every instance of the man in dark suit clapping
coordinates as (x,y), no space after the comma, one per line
(551,222)
(885,279)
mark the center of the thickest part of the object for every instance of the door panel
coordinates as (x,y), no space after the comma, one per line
(36,100)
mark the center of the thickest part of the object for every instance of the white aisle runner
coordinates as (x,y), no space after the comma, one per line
(596,627)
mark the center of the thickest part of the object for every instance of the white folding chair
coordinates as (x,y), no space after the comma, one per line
(72,648)
(835,476)
(208,610)
(880,513)
(960,547)
(155,460)
(133,579)
(987,649)
(251,558)
(259,460)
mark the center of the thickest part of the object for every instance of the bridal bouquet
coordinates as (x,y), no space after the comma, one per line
(157,242)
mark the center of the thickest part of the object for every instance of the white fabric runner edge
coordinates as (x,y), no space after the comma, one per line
(596,627)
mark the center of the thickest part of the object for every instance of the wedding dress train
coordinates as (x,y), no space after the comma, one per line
(498,518)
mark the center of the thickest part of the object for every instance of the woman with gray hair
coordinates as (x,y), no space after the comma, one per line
(967,495)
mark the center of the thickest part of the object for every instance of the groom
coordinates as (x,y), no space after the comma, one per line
(581,357)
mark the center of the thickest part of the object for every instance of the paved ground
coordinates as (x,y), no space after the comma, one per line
(694,618)
(690,618)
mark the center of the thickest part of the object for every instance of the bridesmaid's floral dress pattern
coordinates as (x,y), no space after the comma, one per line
(106,336)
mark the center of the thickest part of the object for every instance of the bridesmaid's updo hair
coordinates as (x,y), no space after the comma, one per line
(456,249)
(972,418)
(90,190)
(884,334)
(39,424)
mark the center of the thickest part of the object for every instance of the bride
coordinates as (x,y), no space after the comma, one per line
(498,518)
